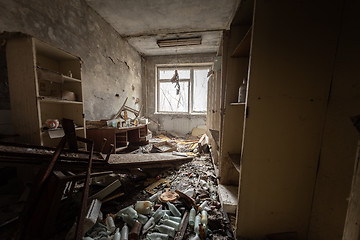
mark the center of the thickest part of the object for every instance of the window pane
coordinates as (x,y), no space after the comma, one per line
(168,74)
(200,90)
(184,74)
(169,101)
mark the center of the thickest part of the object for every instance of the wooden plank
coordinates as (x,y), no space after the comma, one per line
(183,225)
(146,160)
(24,155)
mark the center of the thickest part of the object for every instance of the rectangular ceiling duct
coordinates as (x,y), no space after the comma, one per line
(176,42)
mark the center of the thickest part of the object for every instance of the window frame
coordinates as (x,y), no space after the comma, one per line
(191,67)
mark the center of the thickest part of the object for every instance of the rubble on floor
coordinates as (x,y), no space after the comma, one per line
(174,204)
(147,203)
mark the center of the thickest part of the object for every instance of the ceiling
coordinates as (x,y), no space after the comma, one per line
(143,22)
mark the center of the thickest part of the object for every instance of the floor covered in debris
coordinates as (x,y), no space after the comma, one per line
(137,204)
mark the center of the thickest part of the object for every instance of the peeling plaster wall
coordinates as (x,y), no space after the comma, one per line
(178,123)
(110,65)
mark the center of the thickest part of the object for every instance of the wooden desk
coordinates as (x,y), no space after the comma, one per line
(120,137)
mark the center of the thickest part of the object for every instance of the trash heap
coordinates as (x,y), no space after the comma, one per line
(182,204)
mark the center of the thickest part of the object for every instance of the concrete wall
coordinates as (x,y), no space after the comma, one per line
(179,123)
(110,65)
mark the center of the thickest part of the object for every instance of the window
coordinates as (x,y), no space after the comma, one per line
(186,95)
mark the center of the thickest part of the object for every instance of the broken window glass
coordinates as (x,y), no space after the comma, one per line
(169,101)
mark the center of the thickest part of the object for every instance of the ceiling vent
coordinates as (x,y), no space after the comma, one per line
(177,42)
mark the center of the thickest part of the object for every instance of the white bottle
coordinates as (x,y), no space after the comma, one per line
(197,223)
(204,217)
(196,237)
(124,232)
(143,207)
(192,217)
(117,235)
(110,223)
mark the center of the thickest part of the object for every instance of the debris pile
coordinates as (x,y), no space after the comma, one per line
(179,204)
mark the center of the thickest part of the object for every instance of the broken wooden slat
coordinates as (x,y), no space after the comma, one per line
(107,190)
(184,222)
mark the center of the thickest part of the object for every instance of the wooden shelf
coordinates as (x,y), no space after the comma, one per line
(52,76)
(235,159)
(243,48)
(76,129)
(56,100)
(70,79)
(236,104)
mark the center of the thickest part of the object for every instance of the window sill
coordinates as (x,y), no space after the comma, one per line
(180,114)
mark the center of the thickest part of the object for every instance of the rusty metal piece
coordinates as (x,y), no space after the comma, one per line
(189,202)
(135,231)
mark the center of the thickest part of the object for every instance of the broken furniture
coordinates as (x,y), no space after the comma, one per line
(12,154)
(119,137)
(45,83)
(38,219)
(126,108)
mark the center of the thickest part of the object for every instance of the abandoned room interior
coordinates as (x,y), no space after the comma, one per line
(217,119)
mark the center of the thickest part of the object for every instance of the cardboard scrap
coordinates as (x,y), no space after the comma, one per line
(150,188)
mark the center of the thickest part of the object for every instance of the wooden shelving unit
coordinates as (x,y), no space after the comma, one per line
(45,83)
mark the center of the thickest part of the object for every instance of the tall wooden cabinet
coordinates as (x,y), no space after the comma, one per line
(45,83)
(287,56)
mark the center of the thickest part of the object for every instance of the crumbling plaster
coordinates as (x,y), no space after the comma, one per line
(110,65)
(178,123)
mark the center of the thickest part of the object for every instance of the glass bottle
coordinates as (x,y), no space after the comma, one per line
(170,223)
(195,237)
(204,217)
(142,218)
(117,235)
(150,224)
(158,214)
(157,236)
(197,223)
(192,217)
(166,229)
(110,223)
(129,211)
(173,210)
(124,232)
(155,197)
